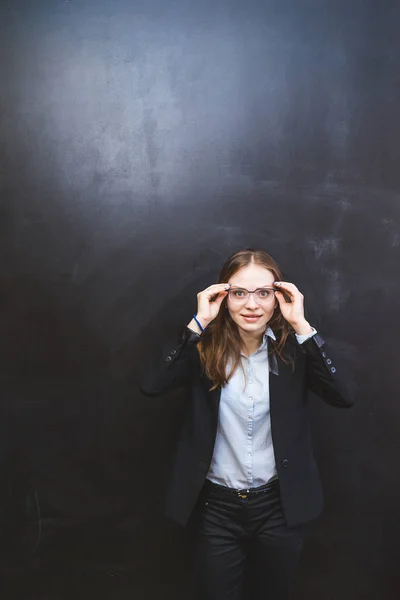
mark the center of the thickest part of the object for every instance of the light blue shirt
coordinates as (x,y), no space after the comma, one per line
(243,453)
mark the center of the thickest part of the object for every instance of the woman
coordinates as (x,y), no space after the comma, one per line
(244,469)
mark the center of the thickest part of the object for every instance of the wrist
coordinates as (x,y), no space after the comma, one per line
(204,322)
(198,324)
(194,327)
(302,327)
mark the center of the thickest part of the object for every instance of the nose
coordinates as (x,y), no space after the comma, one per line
(251,301)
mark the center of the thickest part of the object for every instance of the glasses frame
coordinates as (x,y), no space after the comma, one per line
(242,301)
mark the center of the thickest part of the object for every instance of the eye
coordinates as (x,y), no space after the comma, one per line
(238,293)
(264,293)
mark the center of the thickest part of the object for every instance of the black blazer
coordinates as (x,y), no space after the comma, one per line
(300,484)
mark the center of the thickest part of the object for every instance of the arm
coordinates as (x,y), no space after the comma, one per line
(172,368)
(322,378)
(322,373)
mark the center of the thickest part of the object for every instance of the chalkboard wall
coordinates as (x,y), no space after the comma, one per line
(141,143)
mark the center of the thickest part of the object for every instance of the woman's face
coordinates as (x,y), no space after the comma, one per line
(252,316)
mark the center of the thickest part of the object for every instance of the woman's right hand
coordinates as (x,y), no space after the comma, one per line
(208,304)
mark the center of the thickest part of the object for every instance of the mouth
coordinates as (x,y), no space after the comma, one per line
(251,318)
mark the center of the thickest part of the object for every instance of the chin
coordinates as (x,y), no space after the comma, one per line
(253,327)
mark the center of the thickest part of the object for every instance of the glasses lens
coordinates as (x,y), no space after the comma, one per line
(264,295)
(238,295)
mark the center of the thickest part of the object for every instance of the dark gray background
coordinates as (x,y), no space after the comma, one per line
(141,143)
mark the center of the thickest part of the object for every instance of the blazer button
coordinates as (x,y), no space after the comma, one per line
(168,359)
(285,462)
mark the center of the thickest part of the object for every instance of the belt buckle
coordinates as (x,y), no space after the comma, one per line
(243,493)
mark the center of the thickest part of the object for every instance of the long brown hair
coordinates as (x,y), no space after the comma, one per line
(221,342)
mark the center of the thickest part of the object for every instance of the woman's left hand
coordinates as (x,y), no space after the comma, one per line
(292,311)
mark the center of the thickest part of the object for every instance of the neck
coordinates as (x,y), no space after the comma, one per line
(250,341)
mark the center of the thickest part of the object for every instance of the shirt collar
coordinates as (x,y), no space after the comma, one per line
(264,344)
(269,333)
(272,361)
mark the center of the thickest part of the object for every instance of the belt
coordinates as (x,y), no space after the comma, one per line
(242,493)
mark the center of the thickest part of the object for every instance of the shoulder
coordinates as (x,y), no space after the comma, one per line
(289,343)
(290,352)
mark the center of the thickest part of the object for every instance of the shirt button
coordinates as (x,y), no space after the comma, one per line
(328,361)
(333,370)
(250,397)
(168,359)
(173,352)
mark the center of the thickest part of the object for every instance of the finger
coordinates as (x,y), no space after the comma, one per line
(287,287)
(218,299)
(215,287)
(213,299)
(220,285)
(212,290)
(280,297)
(286,297)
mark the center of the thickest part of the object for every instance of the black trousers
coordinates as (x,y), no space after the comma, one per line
(245,550)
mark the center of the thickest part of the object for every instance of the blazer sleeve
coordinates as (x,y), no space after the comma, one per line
(324,377)
(171,368)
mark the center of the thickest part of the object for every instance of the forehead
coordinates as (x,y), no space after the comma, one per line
(252,276)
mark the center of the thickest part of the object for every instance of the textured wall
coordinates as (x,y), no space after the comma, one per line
(141,143)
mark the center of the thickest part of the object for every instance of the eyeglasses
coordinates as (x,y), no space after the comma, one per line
(241,295)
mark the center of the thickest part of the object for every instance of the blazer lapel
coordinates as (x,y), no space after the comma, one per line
(212,399)
(280,399)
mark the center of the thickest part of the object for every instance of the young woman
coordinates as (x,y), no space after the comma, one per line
(244,469)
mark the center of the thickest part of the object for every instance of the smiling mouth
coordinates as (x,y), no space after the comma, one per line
(251,316)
